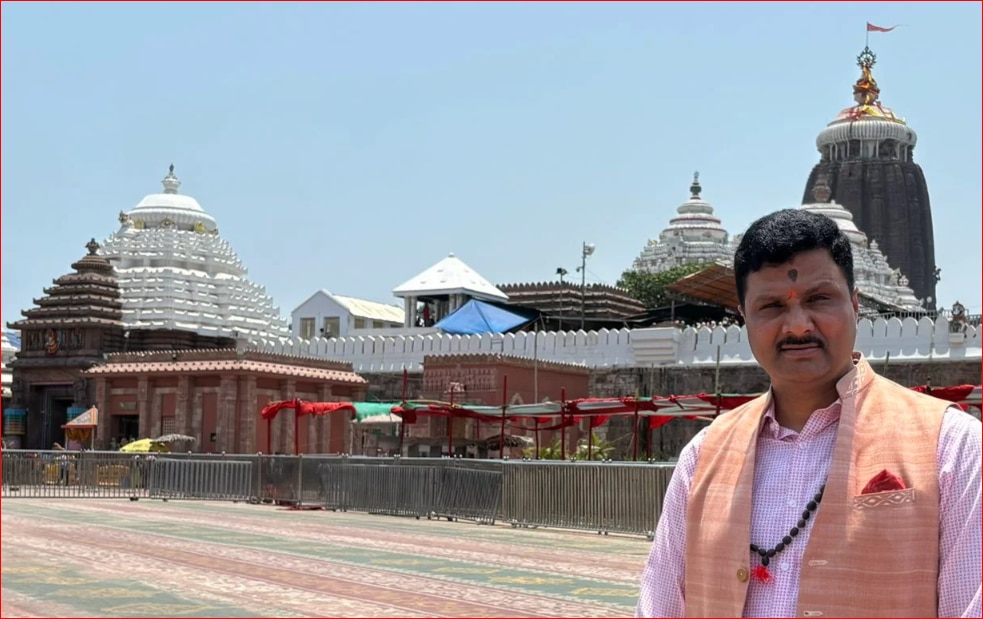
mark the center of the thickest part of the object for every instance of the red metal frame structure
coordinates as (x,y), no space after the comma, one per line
(659,410)
(300,408)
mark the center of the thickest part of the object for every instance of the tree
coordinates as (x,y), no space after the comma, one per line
(650,288)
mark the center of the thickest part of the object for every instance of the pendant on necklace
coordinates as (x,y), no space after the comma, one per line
(761,574)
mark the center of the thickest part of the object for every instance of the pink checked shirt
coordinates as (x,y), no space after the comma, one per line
(789,469)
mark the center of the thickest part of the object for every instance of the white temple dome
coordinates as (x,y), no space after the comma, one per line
(176,273)
(170,208)
(694,235)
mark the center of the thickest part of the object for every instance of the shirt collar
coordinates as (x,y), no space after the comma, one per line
(818,421)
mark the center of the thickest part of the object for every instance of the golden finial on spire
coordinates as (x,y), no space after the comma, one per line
(867,94)
(865,90)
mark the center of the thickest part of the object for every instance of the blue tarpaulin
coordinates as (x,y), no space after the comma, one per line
(476,317)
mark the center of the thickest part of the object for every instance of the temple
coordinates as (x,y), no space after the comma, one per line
(867,159)
(694,235)
(882,289)
(152,329)
(182,284)
(161,330)
(73,325)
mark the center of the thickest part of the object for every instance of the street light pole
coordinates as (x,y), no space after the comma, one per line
(561,299)
(586,251)
(561,272)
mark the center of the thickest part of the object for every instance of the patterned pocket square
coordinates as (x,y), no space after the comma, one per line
(884,482)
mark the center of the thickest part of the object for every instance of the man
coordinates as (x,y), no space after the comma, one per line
(836,494)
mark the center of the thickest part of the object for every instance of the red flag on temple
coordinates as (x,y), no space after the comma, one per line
(872,28)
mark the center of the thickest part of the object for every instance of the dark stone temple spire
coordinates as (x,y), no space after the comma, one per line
(866,157)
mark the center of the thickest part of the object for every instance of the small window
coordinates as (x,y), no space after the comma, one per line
(332,327)
(307,328)
(359,323)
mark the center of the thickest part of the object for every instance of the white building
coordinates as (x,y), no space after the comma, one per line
(694,235)
(443,288)
(176,273)
(331,315)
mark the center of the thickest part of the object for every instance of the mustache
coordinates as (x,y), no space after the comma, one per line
(801,341)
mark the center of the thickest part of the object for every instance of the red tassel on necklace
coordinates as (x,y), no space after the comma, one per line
(761,574)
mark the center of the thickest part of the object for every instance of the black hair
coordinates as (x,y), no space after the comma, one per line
(775,238)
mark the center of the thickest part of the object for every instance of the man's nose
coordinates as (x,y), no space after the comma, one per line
(798,321)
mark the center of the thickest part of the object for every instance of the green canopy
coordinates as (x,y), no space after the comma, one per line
(365,410)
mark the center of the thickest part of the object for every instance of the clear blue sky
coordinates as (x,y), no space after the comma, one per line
(349,147)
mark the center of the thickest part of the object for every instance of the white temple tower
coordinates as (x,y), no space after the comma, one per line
(177,274)
(694,235)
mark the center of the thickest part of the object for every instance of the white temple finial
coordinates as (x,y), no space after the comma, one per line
(171,182)
(695,188)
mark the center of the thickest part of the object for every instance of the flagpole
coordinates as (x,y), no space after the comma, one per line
(867,35)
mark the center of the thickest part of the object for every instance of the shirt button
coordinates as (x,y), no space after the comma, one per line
(791,503)
(742,574)
(785,566)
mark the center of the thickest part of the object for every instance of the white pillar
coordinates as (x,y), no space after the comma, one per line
(409,306)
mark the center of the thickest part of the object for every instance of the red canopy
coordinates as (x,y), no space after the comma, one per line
(956,393)
(659,409)
(304,407)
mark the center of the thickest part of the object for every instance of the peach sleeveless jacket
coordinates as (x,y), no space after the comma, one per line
(874,555)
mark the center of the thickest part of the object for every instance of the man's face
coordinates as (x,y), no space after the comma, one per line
(801,320)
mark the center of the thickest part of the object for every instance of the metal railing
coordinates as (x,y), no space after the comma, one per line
(614,497)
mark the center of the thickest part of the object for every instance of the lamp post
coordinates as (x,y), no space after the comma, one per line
(586,252)
(561,298)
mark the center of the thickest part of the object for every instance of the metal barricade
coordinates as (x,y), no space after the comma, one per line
(603,497)
(279,480)
(393,490)
(599,496)
(408,487)
(468,494)
(61,474)
(216,479)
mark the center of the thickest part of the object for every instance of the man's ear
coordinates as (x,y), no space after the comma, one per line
(740,310)
(855,301)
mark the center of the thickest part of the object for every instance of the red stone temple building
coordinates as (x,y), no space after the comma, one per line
(75,323)
(216,396)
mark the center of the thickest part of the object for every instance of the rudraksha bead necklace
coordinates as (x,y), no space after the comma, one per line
(767,554)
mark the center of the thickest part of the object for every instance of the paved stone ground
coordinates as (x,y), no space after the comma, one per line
(113,558)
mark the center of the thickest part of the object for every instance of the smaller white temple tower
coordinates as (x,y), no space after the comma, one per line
(694,235)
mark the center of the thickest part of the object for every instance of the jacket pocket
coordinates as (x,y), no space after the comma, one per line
(884,500)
